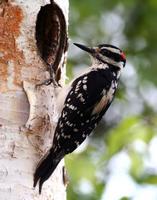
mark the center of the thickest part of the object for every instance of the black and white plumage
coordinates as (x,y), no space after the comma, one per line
(88,98)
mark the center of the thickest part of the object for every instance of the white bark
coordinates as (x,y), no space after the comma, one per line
(28,114)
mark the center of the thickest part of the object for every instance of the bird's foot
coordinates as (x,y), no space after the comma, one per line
(48,82)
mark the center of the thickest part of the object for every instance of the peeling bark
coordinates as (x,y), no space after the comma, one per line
(28,114)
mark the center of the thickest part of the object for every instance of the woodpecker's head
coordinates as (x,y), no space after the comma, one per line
(107,54)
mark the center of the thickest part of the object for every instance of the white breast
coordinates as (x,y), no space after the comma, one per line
(107,97)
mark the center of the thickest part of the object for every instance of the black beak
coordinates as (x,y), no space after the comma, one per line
(84,48)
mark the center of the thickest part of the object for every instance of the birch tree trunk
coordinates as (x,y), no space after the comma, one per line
(28,115)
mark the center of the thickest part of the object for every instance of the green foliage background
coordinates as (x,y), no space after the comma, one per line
(127,133)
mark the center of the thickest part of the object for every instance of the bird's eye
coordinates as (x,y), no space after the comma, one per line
(105,52)
(117,57)
(112,55)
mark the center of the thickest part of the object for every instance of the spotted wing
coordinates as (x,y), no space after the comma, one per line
(80,116)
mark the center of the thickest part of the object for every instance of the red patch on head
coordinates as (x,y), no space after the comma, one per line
(123,56)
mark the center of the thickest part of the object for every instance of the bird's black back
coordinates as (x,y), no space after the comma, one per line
(77,121)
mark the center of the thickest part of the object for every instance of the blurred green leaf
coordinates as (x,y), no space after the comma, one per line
(136,164)
(83,167)
(125,198)
(148,179)
(120,136)
(92,22)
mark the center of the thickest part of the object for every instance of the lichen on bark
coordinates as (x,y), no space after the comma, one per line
(27,114)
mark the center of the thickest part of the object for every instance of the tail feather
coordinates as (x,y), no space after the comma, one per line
(45,168)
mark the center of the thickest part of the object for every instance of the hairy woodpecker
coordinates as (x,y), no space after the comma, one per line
(87,99)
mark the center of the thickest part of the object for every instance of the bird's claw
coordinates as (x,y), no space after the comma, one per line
(48,82)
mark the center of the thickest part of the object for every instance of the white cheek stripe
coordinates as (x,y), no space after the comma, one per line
(112,50)
(108,60)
